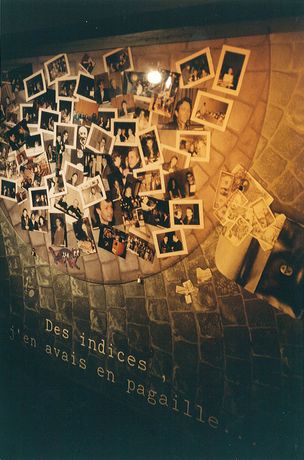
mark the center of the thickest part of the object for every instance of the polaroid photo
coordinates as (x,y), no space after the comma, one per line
(105,212)
(85,112)
(46,101)
(151,180)
(115,82)
(238,231)
(150,147)
(57,67)
(56,184)
(33,221)
(169,243)
(102,88)
(180,184)
(163,100)
(210,110)
(34,145)
(47,119)
(142,112)
(124,132)
(34,85)
(132,215)
(113,240)
(174,159)
(35,168)
(17,135)
(58,229)
(65,87)
(84,236)
(9,166)
(92,191)
(29,113)
(16,76)
(21,195)
(230,70)
(141,247)
(118,60)
(186,213)
(105,117)
(70,203)
(99,140)
(49,148)
(74,176)
(196,143)
(137,83)
(8,189)
(87,63)
(39,198)
(67,131)
(85,87)
(124,103)
(195,69)
(21,159)
(155,211)
(125,160)
(66,109)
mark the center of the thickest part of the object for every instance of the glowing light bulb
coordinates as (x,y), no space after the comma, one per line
(154,77)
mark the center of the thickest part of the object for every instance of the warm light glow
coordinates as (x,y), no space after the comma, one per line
(154,77)
(168,82)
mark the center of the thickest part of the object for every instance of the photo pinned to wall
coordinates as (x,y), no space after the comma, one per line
(196,68)
(102,88)
(231,70)
(8,189)
(99,140)
(57,67)
(21,195)
(21,158)
(113,240)
(87,63)
(66,109)
(124,103)
(196,143)
(180,184)
(118,60)
(50,150)
(33,221)
(186,213)
(137,83)
(169,243)
(142,247)
(155,211)
(211,110)
(105,117)
(151,180)
(9,167)
(34,145)
(142,112)
(150,147)
(74,176)
(9,107)
(65,131)
(17,135)
(47,119)
(163,99)
(33,170)
(84,236)
(115,88)
(105,212)
(125,132)
(65,87)
(174,159)
(56,184)
(46,101)
(85,87)
(29,113)
(16,76)
(59,237)
(70,203)
(34,85)
(125,160)
(39,198)
(92,191)
(181,119)
(85,112)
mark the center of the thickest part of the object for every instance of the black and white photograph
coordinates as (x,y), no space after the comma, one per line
(113,240)
(9,166)
(169,243)
(33,221)
(142,112)
(137,83)
(66,109)
(102,88)
(155,211)
(34,145)
(85,112)
(17,135)
(49,148)
(29,113)
(34,85)
(174,159)
(56,184)
(87,63)
(8,189)
(17,76)
(125,160)
(165,93)
(143,248)
(118,60)
(33,170)
(58,229)
(231,70)
(181,118)
(124,132)
(70,203)
(124,103)
(39,198)
(92,191)
(211,110)
(196,68)
(46,101)
(105,212)
(186,213)
(196,143)
(47,119)
(56,67)
(150,147)
(151,180)
(66,131)
(65,87)
(85,87)
(105,117)
(180,184)
(115,84)
(21,194)
(74,176)
(99,140)
(84,236)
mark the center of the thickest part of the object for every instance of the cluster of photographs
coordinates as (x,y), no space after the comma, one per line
(80,152)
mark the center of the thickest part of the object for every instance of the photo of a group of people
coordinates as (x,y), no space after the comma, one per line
(107,157)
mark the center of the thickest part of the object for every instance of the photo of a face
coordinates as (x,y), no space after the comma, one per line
(58,229)
(102,88)
(84,236)
(196,143)
(66,108)
(142,112)
(39,198)
(56,185)
(210,110)
(169,243)
(34,85)
(85,112)
(8,189)
(231,70)
(87,63)
(70,204)
(195,69)
(33,221)
(124,132)
(137,83)
(92,191)
(67,132)
(105,117)
(150,147)
(174,159)
(57,67)
(118,60)
(65,87)
(113,240)
(155,211)
(102,213)
(151,180)
(125,159)
(99,140)
(30,114)
(74,176)
(34,145)
(180,184)
(85,87)
(186,213)
(47,120)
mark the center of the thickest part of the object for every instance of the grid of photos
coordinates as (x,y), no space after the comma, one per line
(84,156)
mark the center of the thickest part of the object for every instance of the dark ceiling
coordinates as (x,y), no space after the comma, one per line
(28,23)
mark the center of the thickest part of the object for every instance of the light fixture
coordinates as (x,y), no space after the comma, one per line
(154,77)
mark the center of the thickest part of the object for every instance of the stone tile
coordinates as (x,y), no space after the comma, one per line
(161,336)
(223,286)
(162,365)
(154,286)
(237,342)
(210,325)
(232,310)
(136,310)
(117,319)
(44,276)
(81,308)
(297,56)
(62,287)
(290,193)
(93,271)
(97,296)
(281,56)
(252,87)
(114,296)
(266,371)
(238,370)
(248,141)
(295,111)
(111,272)
(281,87)
(138,337)
(259,313)
(211,387)
(265,342)
(185,355)
(16,304)
(176,273)
(79,287)
(14,265)
(184,326)
(269,166)
(292,360)
(64,310)
(272,119)
(99,324)
(223,142)
(157,310)
(287,142)
(211,351)
(47,299)
(134,289)
(176,302)
(290,331)
(240,116)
